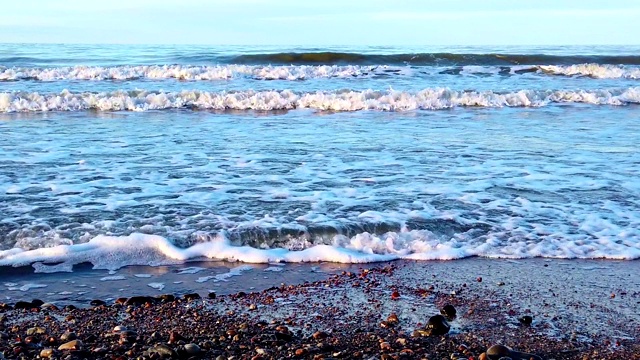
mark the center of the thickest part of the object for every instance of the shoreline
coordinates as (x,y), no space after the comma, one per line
(579,308)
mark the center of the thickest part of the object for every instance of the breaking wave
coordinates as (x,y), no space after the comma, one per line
(390,100)
(438,59)
(299,72)
(192,72)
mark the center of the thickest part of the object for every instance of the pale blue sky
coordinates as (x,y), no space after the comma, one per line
(329,22)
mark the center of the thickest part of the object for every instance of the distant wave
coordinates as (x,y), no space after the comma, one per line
(339,58)
(194,72)
(437,59)
(428,99)
(299,72)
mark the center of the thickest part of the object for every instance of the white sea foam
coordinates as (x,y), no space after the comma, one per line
(428,99)
(598,71)
(156,285)
(293,72)
(192,72)
(362,248)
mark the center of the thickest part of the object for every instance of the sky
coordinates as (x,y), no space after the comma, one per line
(328,22)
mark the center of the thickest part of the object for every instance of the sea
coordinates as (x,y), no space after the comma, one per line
(120,155)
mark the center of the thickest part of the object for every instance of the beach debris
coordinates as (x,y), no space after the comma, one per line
(449,312)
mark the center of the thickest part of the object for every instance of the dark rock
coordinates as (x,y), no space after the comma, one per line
(37,302)
(175,336)
(497,352)
(68,336)
(448,311)
(139,300)
(97,302)
(526,320)
(162,351)
(190,297)
(167,298)
(437,325)
(121,300)
(212,295)
(23,305)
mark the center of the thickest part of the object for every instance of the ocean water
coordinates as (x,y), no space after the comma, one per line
(148,155)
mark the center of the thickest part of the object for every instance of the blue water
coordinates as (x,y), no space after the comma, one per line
(437,153)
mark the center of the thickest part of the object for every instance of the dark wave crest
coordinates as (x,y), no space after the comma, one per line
(426,59)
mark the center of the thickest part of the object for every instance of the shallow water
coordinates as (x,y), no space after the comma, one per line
(153,155)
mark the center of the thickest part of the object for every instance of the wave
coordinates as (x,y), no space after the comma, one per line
(297,72)
(390,100)
(593,70)
(114,252)
(193,72)
(435,59)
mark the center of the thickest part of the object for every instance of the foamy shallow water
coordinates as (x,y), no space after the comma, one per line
(267,176)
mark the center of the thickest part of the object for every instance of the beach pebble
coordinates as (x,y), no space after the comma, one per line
(526,320)
(120,301)
(139,300)
(23,305)
(46,353)
(192,296)
(192,349)
(71,345)
(68,336)
(119,328)
(320,335)
(49,306)
(36,330)
(501,352)
(448,311)
(393,318)
(175,336)
(97,302)
(162,351)
(165,298)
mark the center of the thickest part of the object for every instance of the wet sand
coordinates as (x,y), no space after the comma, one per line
(580,309)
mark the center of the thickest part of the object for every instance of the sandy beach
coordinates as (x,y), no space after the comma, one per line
(579,309)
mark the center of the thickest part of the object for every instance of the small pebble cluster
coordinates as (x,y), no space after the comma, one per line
(320,320)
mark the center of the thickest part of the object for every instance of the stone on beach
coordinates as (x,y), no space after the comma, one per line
(71,345)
